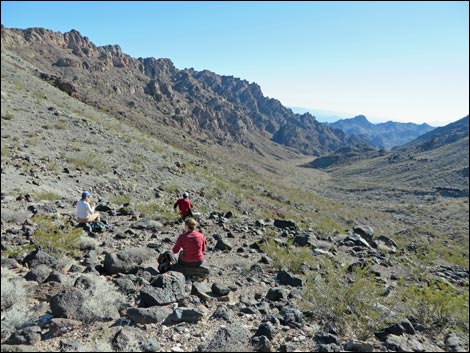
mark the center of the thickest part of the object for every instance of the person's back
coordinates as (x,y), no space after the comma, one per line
(193,244)
(184,206)
(83,208)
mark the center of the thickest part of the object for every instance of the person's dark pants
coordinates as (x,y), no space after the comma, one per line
(189,264)
(189,214)
(190,269)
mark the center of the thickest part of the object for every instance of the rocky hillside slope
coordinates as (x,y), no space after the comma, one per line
(298,261)
(223,109)
(383,135)
(444,135)
(434,163)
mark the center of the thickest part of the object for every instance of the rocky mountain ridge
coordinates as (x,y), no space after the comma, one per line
(440,136)
(222,108)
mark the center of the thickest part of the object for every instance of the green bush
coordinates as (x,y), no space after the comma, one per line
(7,116)
(355,301)
(120,199)
(438,304)
(287,256)
(18,250)
(153,209)
(56,236)
(88,161)
(61,124)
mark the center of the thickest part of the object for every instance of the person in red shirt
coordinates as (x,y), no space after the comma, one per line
(184,206)
(190,260)
(193,244)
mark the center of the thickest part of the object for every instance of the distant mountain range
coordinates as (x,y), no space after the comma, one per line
(438,158)
(383,135)
(324,116)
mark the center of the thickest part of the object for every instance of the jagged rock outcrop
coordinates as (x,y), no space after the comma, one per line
(224,108)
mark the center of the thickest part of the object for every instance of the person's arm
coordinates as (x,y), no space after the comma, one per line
(90,209)
(175,205)
(178,245)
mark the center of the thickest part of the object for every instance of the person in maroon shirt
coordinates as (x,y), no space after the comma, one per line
(193,244)
(184,206)
(190,260)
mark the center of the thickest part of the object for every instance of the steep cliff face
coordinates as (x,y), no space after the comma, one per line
(223,108)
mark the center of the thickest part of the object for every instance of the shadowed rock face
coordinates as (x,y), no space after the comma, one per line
(226,108)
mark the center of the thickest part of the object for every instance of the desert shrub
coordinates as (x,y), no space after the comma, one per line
(7,116)
(33,141)
(354,301)
(438,304)
(18,251)
(5,153)
(19,216)
(103,299)
(39,96)
(15,311)
(286,255)
(156,209)
(119,199)
(50,196)
(87,243)
(56,236)
(172,188)
(19,85)
(11,292)
(61,124)
(327,225)
(88,161)
(53,165)
(455,251)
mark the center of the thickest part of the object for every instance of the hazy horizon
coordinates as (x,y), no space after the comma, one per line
(327,116)
(389,61)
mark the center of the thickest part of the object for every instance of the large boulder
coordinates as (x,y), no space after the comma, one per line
(128,260)
(229,339)
(288,279)
(167,288)
(90,299)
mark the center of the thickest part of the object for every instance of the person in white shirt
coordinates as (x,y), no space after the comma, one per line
(86,209)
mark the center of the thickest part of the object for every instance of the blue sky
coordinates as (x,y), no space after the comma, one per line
(401,61)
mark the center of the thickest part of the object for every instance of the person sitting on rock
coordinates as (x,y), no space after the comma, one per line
(184,206)
(193,244)
(86,209)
